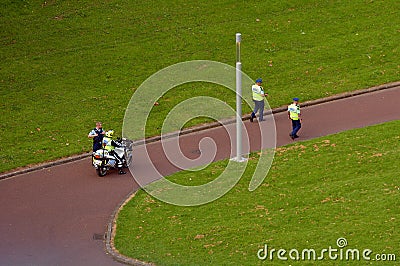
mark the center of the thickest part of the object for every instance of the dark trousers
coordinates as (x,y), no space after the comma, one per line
(117,158)
(96,146)
(258,106)
(97,142)
(296,125)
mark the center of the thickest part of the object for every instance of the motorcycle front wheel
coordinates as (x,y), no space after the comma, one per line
(128,159)
(101,171)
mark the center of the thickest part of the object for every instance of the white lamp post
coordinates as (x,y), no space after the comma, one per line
(238,157)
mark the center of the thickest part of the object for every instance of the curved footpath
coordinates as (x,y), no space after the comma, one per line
(58,215)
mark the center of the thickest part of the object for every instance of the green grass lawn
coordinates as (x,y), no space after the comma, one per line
(66,64)
(343,185)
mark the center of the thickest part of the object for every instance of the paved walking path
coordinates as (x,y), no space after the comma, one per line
(55,216)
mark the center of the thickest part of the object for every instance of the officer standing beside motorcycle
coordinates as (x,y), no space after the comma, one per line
(109,144)
(97,135)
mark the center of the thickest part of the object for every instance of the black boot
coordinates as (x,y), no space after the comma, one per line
(253,115)
(121,172)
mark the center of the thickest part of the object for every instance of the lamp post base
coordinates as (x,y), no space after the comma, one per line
(239,159)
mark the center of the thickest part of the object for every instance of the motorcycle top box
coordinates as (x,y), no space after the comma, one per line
(100,154)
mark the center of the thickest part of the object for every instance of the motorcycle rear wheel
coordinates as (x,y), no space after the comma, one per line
(101,171)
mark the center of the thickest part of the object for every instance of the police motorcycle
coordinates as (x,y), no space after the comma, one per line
(104,160)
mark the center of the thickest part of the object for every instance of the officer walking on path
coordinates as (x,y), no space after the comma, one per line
(294,115)
(97,135)
(258,99)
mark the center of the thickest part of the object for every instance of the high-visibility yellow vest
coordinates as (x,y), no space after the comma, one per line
(294,111)
(107,144)
(258,92)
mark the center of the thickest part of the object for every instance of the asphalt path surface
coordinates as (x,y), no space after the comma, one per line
(58,215)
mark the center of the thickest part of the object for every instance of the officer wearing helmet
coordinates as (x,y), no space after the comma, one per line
(109,144)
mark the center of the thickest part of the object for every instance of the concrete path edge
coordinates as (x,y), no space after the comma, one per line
(110,234)
(25,170)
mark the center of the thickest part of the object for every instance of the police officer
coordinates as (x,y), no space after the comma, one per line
(294,115)
(109,144)
(258,99)
(97,135)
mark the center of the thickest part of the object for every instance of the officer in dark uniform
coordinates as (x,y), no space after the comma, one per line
(97,135)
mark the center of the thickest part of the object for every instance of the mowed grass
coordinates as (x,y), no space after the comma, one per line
(343,185)
(66,64)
